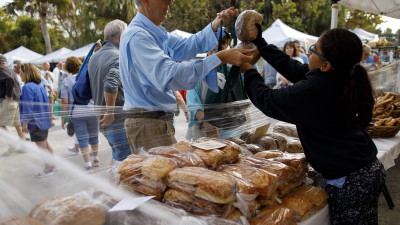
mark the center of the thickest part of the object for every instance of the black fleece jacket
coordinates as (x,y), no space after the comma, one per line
(334,144)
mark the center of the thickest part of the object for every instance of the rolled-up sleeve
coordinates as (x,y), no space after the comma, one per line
(113,79)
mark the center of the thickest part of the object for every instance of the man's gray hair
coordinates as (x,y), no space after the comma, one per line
(114,29)
(138,3)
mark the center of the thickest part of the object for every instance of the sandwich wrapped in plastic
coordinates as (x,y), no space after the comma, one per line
(183,159)
(216,157)
(305,201)
(146,174)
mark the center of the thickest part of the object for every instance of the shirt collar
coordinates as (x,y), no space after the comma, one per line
(113,44)
(158,30)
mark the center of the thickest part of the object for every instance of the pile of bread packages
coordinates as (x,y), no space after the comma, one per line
(230,182)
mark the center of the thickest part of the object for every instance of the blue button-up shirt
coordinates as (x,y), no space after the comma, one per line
(150,67)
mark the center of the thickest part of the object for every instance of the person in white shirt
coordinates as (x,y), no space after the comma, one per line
(49,77)
(57,74)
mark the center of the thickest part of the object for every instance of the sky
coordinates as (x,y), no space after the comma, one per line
(392,23)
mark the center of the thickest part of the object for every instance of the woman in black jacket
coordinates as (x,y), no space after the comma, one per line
(331,104)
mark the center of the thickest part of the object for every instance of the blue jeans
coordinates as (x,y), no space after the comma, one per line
(116,137)
(86,130)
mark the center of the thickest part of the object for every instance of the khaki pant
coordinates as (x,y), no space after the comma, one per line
(143,133)
(9,113)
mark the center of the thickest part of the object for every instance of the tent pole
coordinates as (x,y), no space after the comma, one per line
(335,11)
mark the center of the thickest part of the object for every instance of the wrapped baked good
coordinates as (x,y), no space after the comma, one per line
(217,157)
(252,148)
(236,140)
(316,195)
(204,184)
(280,140)
(194,205)
(294,146)
(245,27)
(19,220)
(285,174)
(295,160)
(269,154)
(266,183)
(182,159)
(275,215)
(69,211)
(183,146)
(266,143)
(247,135)
(299,204)
(146,174)
(286,128)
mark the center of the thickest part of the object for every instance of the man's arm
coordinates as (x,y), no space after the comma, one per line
(111,83)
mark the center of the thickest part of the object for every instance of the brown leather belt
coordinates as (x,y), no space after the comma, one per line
(143,113)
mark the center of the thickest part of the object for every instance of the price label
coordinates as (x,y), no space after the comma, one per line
(209,145)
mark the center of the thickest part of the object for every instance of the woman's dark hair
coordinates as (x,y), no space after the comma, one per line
(291,44)
(73,64)
(344,49)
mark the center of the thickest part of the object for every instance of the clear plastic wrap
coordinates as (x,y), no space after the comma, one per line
(275,215)
(286,128)
(183,159)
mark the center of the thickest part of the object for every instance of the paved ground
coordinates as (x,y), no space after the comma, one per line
(20,188)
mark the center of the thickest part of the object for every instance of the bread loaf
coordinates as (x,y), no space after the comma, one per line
(245,27)
(275,215)
(20,220)
(68,211)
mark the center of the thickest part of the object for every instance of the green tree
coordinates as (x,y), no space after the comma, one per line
(6,24)
(362,19)
(41,8)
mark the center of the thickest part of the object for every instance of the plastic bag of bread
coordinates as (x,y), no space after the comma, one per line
(280,139)
(236,140)
(245,136)
(68,210)
(202,183)
(183,159)
(217,157)
(266,183)
(245,27)
(269,154)
(295,160)
(285,174)
(266,142)
(183,146)
(196,206)
(20,220)
(146,174)
(252,148)
(286,128)
(294,146)
(316,195)
(275,215)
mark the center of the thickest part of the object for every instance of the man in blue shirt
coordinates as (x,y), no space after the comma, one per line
(152,66)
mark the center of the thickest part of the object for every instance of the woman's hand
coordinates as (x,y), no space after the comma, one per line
(25,127)
(245,66)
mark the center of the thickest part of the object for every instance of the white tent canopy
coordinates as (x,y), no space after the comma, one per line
(365,35)
(389,8)
(80,52)
(279,33)
(21,53)
(50,57)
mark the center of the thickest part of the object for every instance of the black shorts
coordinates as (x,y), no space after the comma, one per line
(38,134)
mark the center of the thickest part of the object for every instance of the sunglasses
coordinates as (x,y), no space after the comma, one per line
(314,51)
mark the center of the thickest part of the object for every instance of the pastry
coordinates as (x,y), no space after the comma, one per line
(245,27)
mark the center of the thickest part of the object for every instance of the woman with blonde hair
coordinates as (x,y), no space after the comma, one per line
(35,111)
(290,49)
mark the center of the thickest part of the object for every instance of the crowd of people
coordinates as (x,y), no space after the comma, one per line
(137,73)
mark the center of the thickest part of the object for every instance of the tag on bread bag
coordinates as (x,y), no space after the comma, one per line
(208,145)
(260,132)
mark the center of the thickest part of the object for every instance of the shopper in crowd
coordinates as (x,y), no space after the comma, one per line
(35,112)
(331,104)
(107,90)
(57,72)
(47,81)
(367,60)
(299,49)
(17,71)
(269,74)
(152,67)
(83,117)
(290,49)
(10,92)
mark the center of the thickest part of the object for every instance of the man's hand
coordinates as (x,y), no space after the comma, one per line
(225,16)
(211,130)
(98,46)
(236,56)
(107,120)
